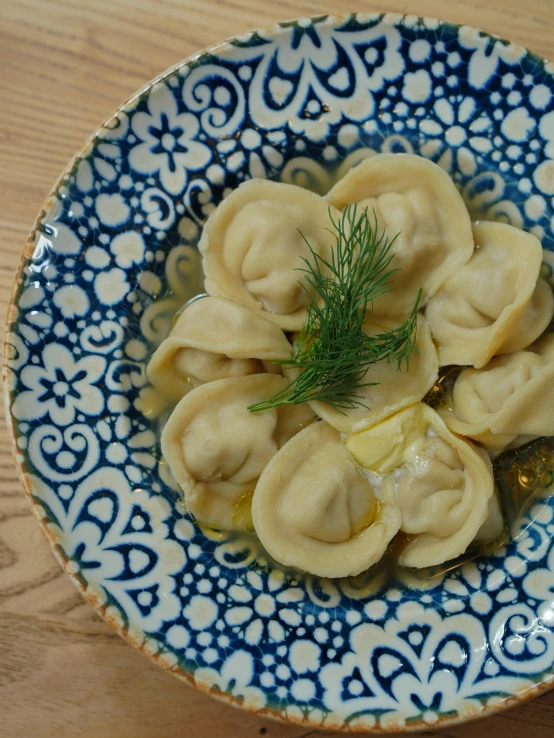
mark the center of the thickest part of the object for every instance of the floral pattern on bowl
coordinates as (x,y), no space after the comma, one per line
(113,256)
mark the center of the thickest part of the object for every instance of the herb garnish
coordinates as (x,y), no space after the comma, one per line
(332,350)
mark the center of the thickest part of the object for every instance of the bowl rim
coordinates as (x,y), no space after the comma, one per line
(330,722)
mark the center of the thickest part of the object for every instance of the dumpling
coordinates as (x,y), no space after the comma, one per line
(494,304)
(417,200)
(393,389)
(253,244)
(492,528)
(507,403)
(216,448)
(315,510)
(443,484)
(213,339)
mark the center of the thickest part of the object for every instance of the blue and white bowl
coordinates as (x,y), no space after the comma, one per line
(113,256)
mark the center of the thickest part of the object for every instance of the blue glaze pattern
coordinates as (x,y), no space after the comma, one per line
(113,257)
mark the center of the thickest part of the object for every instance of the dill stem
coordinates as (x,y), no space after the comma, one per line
(333,352)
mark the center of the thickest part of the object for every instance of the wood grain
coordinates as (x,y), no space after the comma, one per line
(64,66)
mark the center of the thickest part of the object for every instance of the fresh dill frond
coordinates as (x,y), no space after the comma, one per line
(332,351)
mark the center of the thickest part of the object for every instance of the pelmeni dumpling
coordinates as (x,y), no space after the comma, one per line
(253,243)
(393,389)
(216,448)
(417,200)
(443,484)
(492,528)
(213,339)
(507,403)
(494,303)
(315,510)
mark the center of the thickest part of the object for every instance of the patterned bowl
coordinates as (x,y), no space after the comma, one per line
(112,257)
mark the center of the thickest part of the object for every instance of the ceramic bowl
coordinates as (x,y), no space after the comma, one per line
(113,256)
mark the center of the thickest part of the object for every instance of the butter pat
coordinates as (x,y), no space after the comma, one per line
(389,444)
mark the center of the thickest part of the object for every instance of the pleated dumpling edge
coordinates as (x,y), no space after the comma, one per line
(313,508)
(417,203)
(442,483)
(253,244)
(214,339)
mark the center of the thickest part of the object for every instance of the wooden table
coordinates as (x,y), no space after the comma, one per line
(64,66)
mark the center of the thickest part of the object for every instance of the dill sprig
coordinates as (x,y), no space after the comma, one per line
(332,351)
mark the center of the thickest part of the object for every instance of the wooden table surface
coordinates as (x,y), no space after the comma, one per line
(64,66)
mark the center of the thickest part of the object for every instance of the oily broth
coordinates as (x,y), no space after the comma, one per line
(521,476)
(440,394)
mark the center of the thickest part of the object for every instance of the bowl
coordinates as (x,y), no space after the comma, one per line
(111,258)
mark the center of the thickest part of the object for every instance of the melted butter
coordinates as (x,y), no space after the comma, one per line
(386,446)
